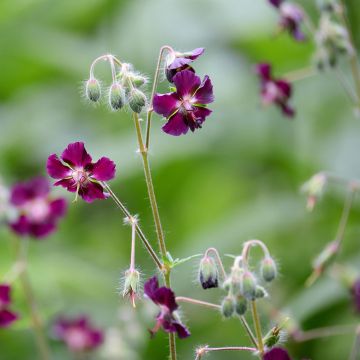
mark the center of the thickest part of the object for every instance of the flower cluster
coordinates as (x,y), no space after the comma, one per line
(186,106)
(7,317)
(37,213)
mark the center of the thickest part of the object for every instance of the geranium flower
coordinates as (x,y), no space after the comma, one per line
(274,91)
(37,212)
(185,108)
(291,18)
(7,317)
(165,299)
(355,291)
(177,61)
(276,354)
(78,174)
(78,334)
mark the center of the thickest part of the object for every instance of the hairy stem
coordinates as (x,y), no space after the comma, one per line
(203,350)
(198,302)
(248,331)
(257,325)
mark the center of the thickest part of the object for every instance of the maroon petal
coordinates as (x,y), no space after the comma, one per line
(176,125)
(42,230)
(5,298)
(21,226)
(150,288)
(287,110)
(194,54)
(68,184)
(76,155)
(7,317)
(181,330)
(91,192)
(186,83)
(58,208)
(204,94)
(264,71)
(285,87)
(165,104)
(96,338)
(166,297)
(56,169)
(275,3)
(277,354)
(103,169)
(22,192)
(200,114)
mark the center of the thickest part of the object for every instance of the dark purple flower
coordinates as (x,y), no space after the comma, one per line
(291,18)
(165,299)
(355,291)
(78,174)
(38,213)
(7,317)
(276,354)
(185,108)
(177,62)
(78,334)
(274,91)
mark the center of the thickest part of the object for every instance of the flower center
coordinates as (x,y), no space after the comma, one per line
(37,210)
(80,176)
(76,339)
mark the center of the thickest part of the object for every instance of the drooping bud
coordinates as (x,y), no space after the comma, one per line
(236,279)
(208,272)
(314,188)
(93,90)
(240,305)
(260,292)
(248,285)
(132,285)
(227,307)
(137,80)
(116,96)
(137,100)
(268,269)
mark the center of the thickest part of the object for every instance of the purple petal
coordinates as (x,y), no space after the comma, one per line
(275,3)
(264,71)
(150,288)
(277,354)
(186,83)
(69,184)
(21,226)
(287,110)
(23,192)
(284,87)
(194,54)
(200,114)
(76,155)
(92,191)
(298,34)
(42,230)
(96,338)
(5,298)
(58,208)
(166,297)
(103,169)
(183,59)
(170,73)
(165,104)
(7,317)
(176,125)
(56,169)
(204,94)
(181,330)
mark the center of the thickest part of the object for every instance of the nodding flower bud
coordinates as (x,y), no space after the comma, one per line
(93,90)
(228,307)
(248,285)
(314,188)
(240,305)
(208,273)
(272,337)
(137,100)
(260,292)
(116,96)
(268,269)
(137,80)
(131,285)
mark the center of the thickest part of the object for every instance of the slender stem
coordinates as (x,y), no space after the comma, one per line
(256,320)
(172,341)
(300,74)
(218,258)
(355,351)
(302,336)
(133,235)
(203,350)
(248,331)
(36,321)
(246,251)
(198,302)
(141,235)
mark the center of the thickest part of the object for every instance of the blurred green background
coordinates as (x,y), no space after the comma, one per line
(237,178)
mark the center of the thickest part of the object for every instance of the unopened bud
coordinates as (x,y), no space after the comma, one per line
(137,100)
(240,305)
(248,285)
(314,188)
(260,292)
(93,90)
(116,96)
(272,337)
(208,273)
(227,307)
(268,269)
(137,80)
(132,285)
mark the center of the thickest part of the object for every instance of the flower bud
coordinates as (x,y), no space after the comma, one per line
(240,305)
(131,285)
(93,90)
(227,307)
(208,273)
(268,269)
(272,337)
(137,100)
(248,285)
(314,188)
(260,292)
(137,80)
(116,96)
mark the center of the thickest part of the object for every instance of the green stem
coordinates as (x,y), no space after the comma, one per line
(256,320)
(248,331)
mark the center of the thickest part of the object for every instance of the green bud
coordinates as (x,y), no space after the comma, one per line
(227,307)
(137,80)
(93,90)
(208,273)
(268,269)
(240,305)
(260,292)
(227,285)
(314,187)
(236,279)
(137,100)
(248,285)
(116,96)
(272,337)
(131,285)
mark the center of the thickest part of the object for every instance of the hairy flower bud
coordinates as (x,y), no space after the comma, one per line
(227,307)
(268,269)
(248,285)
(208,273)
(116,96)
(131,285)
(260,292)
(240,305)
(137,80)
(93,90)
(137,100)
(272,337)
(314,188)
